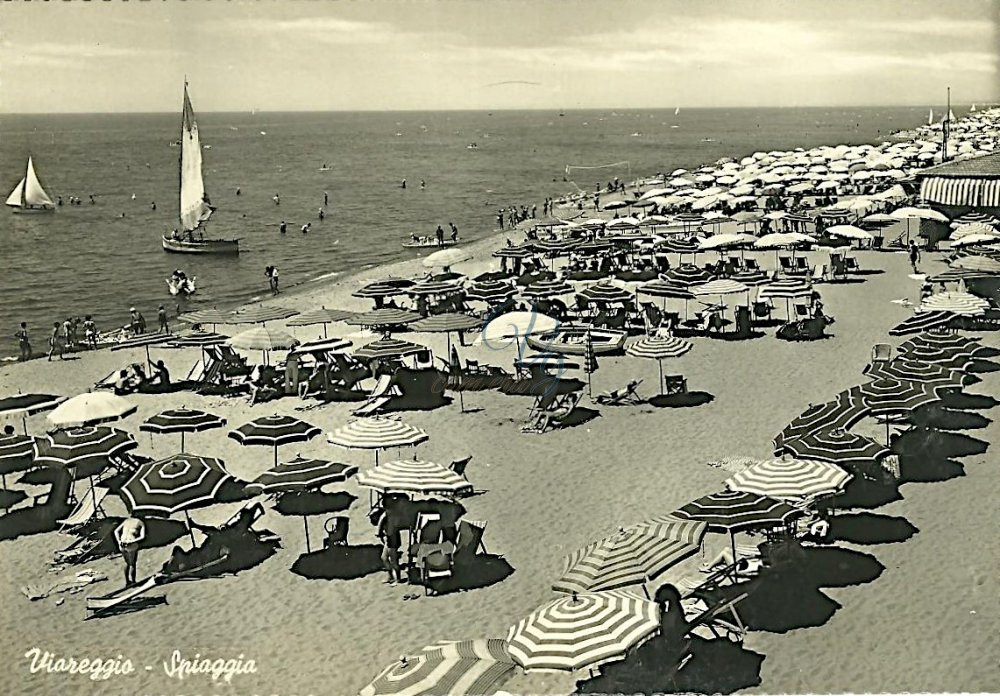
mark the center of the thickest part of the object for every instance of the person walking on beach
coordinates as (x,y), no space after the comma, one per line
(423,184)
(274,279)
(403,184)
(138,321)
(161,318)
(321,214)
(454,232)
(439,233)
(23,342)
(90,332)
(55,342)
(388,534)
(914,255)
(129,535)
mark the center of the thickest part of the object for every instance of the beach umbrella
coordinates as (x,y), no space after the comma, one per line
(661,288)
(679,246)
(836,446)
(447,323)
(921,321)
(659,348)
(260,314)
(84,451)
(385,288)
(979,264)
(849,232)
(974,239)
(622,223)
(725,241)
(952,359)
(466,668)
(198,339)
(909,369)
(376,434)
(603,293)
(143,341)
(182,420)
(546,289)
(504,329)
(720,286)
(775,240)
(414,476)
(938,340)
(840,413)
(957,275)
(590,365)
(973,228)
(974,216)
(386,347)
(890,395)
(790,479)
(322,316)
(556,246)
(734,511)
(908,213)
(91,408)
(446,258)
(786,289)
(17,453)
(632,556)
(434,287)
(492,292)
(961,303)
(515,252)
(207,316)
(582,630)
(300,474)
(687,275)
(325,345)
(385,317)
(274,431)
(175,484)
(616,205)
(263,339)
(25,405)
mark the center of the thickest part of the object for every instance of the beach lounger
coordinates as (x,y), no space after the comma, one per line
(619,397)
(718,627)
(553,417)
(89,507)
(122,598)
(379,397)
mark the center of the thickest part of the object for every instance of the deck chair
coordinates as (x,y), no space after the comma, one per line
(542,403)
(819,273)
(107,382)
(382,394)
(336,529)
(674,384)
(653,316)
(851,264)
(617,320)
(424,527)
(786,264)
(553,417)
(718,627)
(470,539)
(802,265)
(435,566)
(751,265)
(89,507)
(762,310)
(620,397)
(881,352)
(837,266)
(802,311)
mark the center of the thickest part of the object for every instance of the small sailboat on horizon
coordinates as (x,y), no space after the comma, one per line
(930,118)
(29,196)
(677,111)
(195,208)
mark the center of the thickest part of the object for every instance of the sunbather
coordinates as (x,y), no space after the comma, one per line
(545,419)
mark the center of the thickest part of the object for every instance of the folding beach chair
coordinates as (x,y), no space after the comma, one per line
(674,384)
(802,265)
(851,264)
(554,416)
(802,311)
(786,265)
(751,265)
(89,507)
(382,394)
(470,539)
(819,273)
(620,397)
(435,565)
(336,529)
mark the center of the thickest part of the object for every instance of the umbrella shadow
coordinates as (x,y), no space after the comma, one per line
(131,606)
(940,418)
(787,594)
(685,400)
(41,517)
(934,444)
(481,570)
(916,469)
(870,528)
(967,402)
(233,491)
(10,498)
(313,503)
(982,367)
(861,492)
(715,667)
(339,562)
(240,548)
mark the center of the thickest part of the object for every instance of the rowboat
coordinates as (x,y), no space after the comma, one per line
(429,244)
(195,207)
(572,340)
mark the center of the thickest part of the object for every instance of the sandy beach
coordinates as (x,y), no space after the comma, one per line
(927,622)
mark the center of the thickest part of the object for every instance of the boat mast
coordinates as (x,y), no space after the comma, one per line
(946,126)
(180,162)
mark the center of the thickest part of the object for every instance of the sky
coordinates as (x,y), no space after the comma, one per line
(282,55)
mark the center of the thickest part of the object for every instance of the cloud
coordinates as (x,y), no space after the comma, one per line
(68,55)
(325,30)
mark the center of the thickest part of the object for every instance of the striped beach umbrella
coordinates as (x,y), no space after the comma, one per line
(274,431)
(980,264)
(955,359)
(687,275)
(263,339)
(492,292)
(142,341)
(446,258)
(435,287)
(384,288)
(325,345)
(786,289)
(515,252)
(970,228)
(734,511)
(386,347)
(385,317)
(466,668)
(176,484)
(720,286)
(961,303)
(889,395)
(17,453)
(603,293)
(446,323)
(207,316)
(545,289)
(939,340)
(678,246)
(556,246)
(922,321)
(84,449)
(583,630)
(376,434)
(414,476)
(632,556)
(301,474)
(198,339)
(790,479)
(662,288)
(91,408)
(974,216)
(659,348)
(956,275)
(837,447)
(24,405)
(182,420)
(908,369)
(322,316)
(261,314)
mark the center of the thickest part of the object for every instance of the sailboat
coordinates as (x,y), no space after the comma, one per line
(29,196)
(677,110)
(195,208)
(930,118)
(973,107)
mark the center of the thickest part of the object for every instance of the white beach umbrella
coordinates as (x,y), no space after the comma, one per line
(445,258)
(848,231)
(91,408)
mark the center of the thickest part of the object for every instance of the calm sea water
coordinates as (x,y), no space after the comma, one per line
(89,259)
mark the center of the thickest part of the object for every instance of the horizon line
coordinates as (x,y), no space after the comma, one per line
(985,104)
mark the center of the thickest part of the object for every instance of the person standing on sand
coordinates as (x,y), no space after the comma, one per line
(161,317)
(454,232)
(90,332)
(277,199)
(55,342)
(388,534)
(305,227)
(129,534)
(439,233)
(322,214)
(914,255)
(23,341)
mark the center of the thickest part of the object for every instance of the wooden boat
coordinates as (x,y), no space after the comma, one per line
(430,243)
(572,340)
(29,196)
(195,207)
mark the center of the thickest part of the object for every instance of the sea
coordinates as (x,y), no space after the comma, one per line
(103,258)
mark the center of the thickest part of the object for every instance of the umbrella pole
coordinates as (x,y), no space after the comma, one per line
(276,455)
(24,423)
(305,523)
(324,331)
(182,441)
(461,401)
(187,519)
(660,363)
(732,545)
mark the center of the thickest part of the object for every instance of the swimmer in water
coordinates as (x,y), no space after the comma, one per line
(422,184)
(305,227)
(403,185)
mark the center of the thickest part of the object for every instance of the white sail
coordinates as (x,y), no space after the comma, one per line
(14,199)
(194,205)
(34,194)
(677,110)
(930,118)
(973,107)
(951,115)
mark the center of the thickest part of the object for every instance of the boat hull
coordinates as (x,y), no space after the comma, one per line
(429,245)
(32,211)
(572,340)
(203,246)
